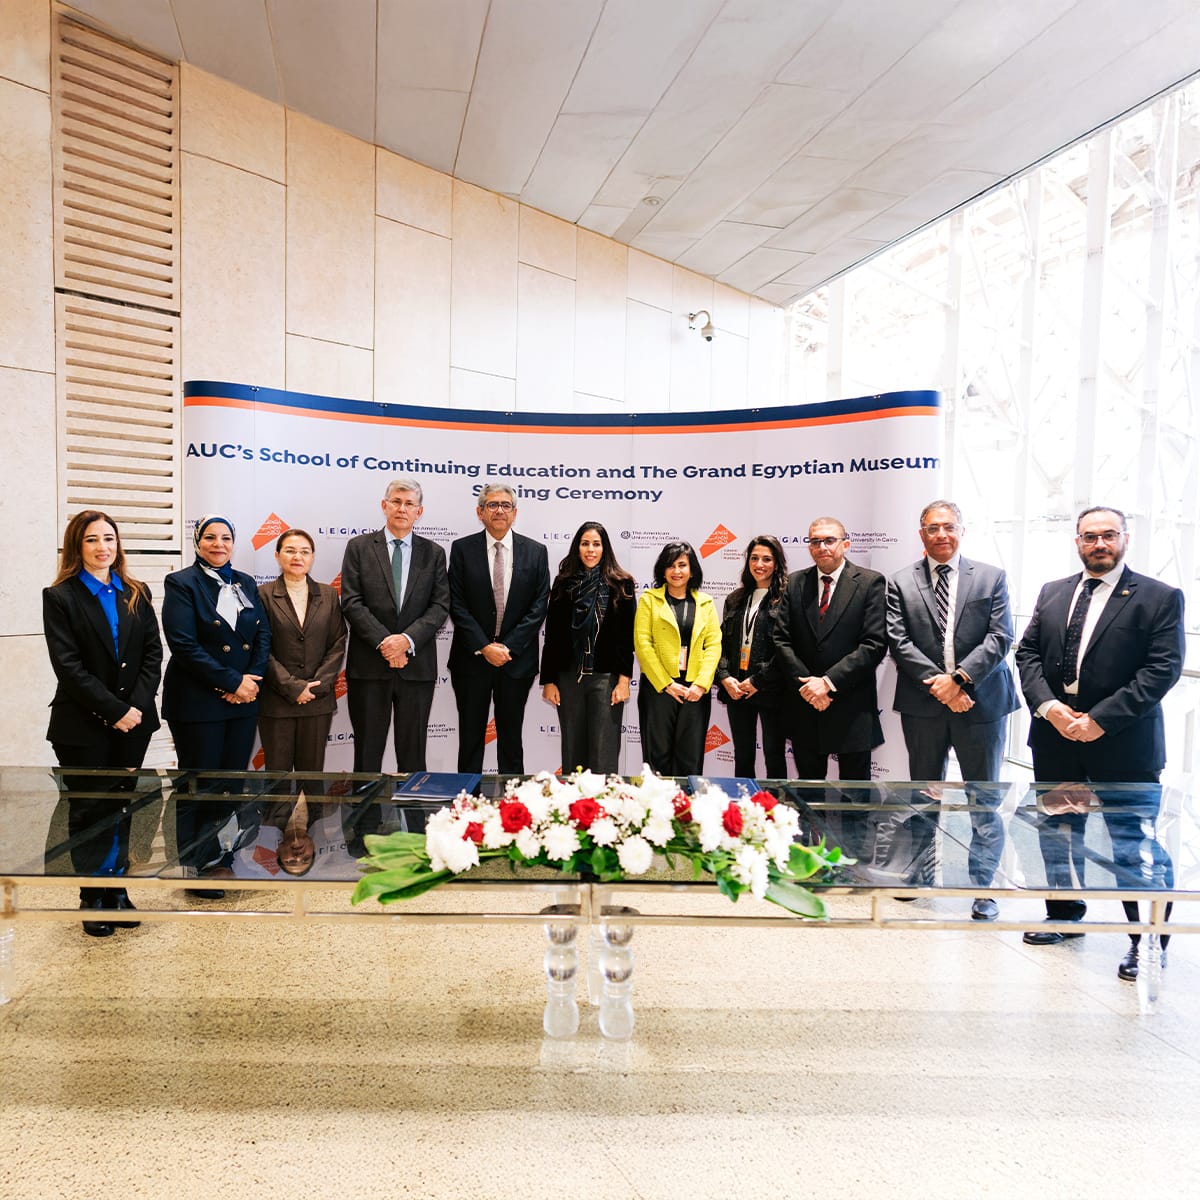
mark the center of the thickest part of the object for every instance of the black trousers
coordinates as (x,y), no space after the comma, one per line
(210,746)
(375,705)
(98,825)
(673,732)
(474,693)
(744,719)
(589,722)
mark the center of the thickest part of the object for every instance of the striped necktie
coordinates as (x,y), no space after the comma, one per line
(941,596)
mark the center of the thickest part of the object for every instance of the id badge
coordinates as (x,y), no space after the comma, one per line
(683,651)
(744,659)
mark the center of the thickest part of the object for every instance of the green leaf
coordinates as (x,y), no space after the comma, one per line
(796,899)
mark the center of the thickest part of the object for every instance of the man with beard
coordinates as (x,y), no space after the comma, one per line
(1101,651)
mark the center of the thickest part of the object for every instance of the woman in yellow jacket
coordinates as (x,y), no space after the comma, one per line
(677,637)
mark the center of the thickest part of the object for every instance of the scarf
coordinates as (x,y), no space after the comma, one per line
(589,603)
(230,599)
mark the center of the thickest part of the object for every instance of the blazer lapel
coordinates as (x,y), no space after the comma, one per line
(810,591)
(124,621)
(921,573)
(380,545)
(1123,593)
(282,604)
(843,593)
(97,619)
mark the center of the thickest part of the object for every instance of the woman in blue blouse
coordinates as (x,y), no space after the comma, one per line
(102,636)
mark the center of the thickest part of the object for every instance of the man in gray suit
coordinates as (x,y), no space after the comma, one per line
(950,629)
(395,597)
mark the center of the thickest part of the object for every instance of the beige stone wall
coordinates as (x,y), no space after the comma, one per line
(314,261)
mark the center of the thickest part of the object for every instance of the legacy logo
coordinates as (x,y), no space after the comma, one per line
(715,540)
(269,530)
(714,739)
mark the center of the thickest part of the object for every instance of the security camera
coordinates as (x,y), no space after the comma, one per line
(707,330)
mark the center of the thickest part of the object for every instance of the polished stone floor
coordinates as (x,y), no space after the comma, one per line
(250,1059)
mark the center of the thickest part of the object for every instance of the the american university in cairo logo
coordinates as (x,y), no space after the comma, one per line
(269,530)
(714,739)
(336,583)
(489,734)
(715,540)
(340,686)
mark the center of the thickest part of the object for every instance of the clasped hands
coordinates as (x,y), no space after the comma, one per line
(816,691)
(1074,726)
(739,689)
(944,689)
(394,649)
(247,691)
(684,695)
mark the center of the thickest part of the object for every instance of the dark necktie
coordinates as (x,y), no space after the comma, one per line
(941,596)
(826,587)
(1075,631)
(398,571)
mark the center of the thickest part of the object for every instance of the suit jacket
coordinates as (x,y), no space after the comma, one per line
(208,656)
(1134,657)
(473,607)
(301,653)
(983,636)
(97,683)
(613,654)
(369,605)
(762,671)
(847,647)
(657,641)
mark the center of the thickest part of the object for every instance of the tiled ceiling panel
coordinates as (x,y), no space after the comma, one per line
(779,140)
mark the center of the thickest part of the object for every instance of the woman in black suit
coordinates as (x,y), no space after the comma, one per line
(219,637)
(308,643)
(103,640)
(587,660)
(745,678)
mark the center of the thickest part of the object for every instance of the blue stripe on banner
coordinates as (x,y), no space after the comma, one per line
(830,412)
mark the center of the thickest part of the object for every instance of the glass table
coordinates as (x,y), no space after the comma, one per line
(272,836)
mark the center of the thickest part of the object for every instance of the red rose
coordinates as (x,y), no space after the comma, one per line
(474,833)
(683,807)
(764,800)
(514,816)
(584,812)
(732,820)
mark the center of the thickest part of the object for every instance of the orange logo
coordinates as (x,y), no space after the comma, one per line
(715,540)
(714,739)
(336,583)
(259,759)
(339,685)
(489,734)
(268,531)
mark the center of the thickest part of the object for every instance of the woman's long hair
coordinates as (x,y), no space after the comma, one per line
(668,554)
(620,582)
(778,577)
(70,562)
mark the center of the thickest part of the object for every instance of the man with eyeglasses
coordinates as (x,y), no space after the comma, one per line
(829,638)
(950,629)
(1101,651)
(395,597)
(499,585)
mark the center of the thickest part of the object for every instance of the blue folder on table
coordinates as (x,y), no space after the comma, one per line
(436,785)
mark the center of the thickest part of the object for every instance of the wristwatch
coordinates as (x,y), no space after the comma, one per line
(963,680)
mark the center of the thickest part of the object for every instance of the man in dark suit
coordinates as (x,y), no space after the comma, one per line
(1101,651)
(950,630)
(499,584)
(395,598)
(829,638)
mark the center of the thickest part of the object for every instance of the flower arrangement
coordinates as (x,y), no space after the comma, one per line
(612,828)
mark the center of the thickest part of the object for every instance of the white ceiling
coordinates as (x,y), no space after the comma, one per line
(784,140)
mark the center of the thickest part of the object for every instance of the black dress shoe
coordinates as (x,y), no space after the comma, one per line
(1047,937)
(122,901)
(95,928)
(1128,969)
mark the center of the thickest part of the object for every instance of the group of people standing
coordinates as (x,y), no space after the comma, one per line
(793,655)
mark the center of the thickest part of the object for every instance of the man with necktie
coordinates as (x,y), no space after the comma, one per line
(395,597)
(1102,650)
(829,638)
(950,629)
(499,586)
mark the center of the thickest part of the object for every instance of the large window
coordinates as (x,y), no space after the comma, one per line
(1060,317)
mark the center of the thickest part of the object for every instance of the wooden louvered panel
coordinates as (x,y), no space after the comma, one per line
(116,170)
(118,417)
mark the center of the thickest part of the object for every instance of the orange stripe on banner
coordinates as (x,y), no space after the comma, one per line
(558,430)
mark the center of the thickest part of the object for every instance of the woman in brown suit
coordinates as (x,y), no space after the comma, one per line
(308,642)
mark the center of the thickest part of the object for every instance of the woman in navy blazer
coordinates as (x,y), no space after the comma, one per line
(102,636)
(220,640)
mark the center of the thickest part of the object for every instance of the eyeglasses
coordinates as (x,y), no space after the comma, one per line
(499,506)
(826,543)
(1109,536)
(404,503)
(946,527)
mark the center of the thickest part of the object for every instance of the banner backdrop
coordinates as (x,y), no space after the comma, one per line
(273,460)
